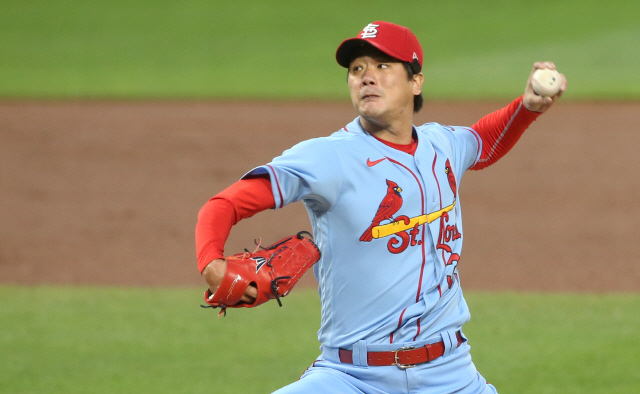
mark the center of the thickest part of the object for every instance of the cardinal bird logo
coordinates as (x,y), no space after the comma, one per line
(451,178)
(390,204)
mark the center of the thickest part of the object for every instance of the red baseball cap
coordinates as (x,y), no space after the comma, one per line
(394,40)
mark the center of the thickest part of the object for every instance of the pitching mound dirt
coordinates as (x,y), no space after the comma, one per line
(108,193)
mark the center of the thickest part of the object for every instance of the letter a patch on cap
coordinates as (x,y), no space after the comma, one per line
(369,31)
(415,56)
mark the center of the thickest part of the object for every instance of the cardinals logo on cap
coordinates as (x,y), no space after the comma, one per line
(370,31)
(393,40)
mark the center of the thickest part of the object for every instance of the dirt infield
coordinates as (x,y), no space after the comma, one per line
(108,193)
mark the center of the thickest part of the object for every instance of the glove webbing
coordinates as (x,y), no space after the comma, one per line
(274,282)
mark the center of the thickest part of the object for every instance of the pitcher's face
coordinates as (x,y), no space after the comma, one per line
(380,88)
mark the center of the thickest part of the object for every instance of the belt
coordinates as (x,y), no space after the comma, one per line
(403,358)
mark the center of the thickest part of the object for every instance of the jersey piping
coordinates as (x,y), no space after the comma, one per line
(424,258)
(275,176)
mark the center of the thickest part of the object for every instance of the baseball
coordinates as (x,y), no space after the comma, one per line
(546,82)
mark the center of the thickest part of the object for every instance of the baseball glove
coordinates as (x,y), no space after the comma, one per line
(273,270)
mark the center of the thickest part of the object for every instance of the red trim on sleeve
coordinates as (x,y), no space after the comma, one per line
(475,134)
(239,201)
(277,184)
(501,130)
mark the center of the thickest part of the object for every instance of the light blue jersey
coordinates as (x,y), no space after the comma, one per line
(389,227)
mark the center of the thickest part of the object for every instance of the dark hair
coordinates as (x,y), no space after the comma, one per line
(417,99)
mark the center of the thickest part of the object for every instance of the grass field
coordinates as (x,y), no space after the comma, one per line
(285,49)
(106,340)
(132,340)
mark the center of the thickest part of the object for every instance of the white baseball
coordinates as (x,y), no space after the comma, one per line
(546,82)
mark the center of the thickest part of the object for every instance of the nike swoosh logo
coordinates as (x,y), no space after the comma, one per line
(373,163)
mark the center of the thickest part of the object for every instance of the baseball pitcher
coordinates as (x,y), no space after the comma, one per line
(383,198)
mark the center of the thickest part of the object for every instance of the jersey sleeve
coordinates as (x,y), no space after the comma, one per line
(310,171)
(465,146)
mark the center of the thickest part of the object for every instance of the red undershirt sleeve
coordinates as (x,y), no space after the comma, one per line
(239,201)
(501,130)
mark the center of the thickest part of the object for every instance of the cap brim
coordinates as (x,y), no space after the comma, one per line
(345,51)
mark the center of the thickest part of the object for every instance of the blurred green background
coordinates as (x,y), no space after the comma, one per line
(99,340)
(109,340)
(284,49)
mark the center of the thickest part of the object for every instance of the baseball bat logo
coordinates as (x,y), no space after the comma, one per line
(404,230)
